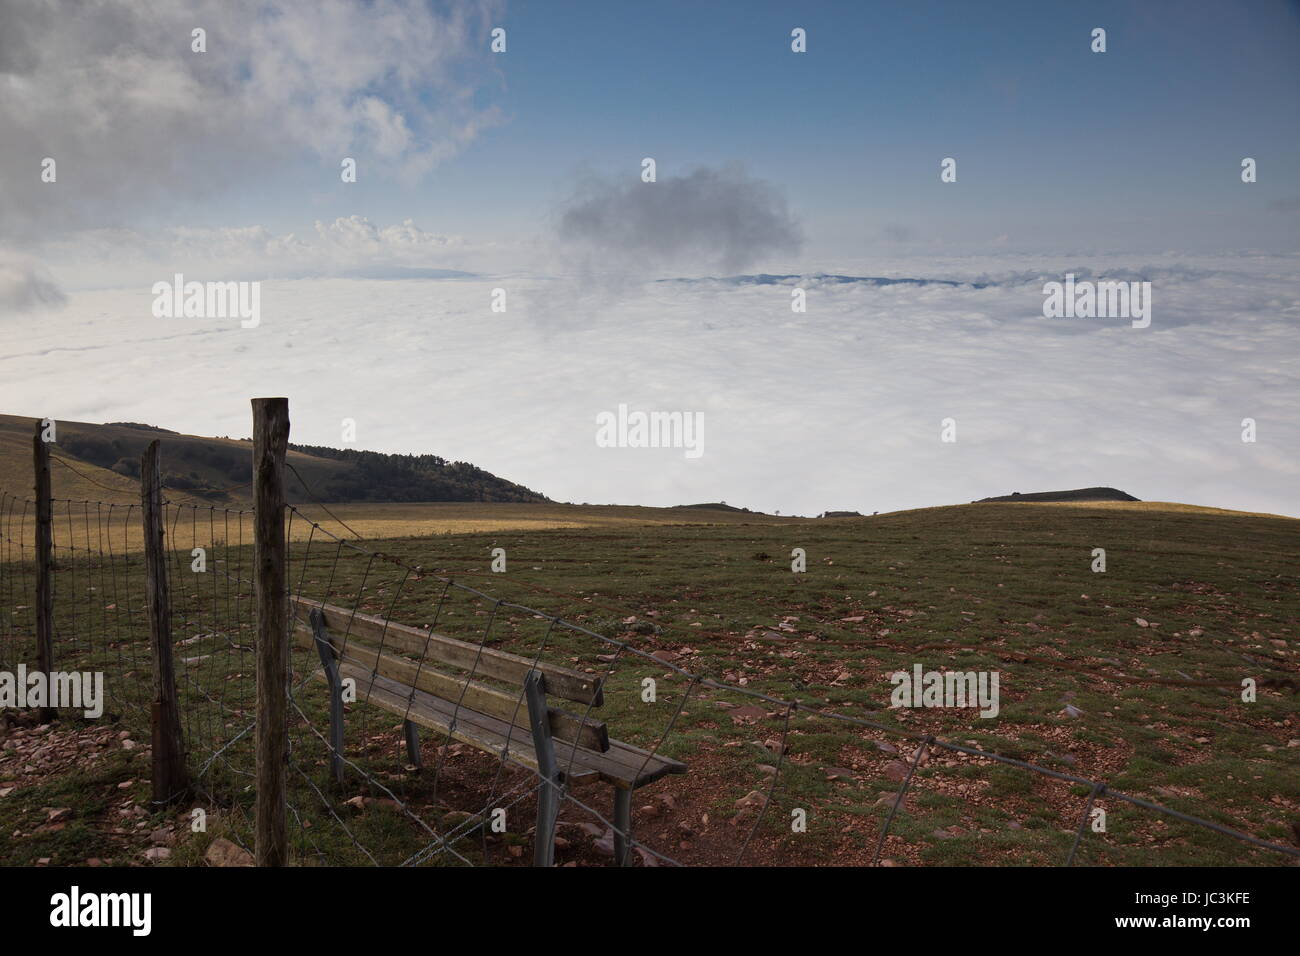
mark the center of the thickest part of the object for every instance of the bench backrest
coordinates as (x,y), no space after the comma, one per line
(387,647)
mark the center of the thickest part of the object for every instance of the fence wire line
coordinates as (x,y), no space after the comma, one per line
(96,565)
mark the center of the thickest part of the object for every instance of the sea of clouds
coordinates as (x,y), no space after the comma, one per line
(836,408)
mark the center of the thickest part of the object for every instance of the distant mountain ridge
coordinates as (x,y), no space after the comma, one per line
(1078,494)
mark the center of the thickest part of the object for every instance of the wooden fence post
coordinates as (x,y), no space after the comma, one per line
(169,778)
(270,577)
(44,563)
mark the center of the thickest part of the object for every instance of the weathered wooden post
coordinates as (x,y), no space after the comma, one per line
(44,562)
(270,576)
(169,778)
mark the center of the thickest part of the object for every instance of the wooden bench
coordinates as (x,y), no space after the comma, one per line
(439,682)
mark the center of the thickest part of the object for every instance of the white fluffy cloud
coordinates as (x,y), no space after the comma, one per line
(132,116)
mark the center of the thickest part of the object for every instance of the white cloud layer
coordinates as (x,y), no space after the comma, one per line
(347,246)
(838,408)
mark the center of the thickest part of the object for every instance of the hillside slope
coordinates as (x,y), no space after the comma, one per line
(102,463)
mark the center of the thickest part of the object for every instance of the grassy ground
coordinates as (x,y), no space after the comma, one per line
(1131,676)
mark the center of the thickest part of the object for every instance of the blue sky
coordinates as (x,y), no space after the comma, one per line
(1057,147)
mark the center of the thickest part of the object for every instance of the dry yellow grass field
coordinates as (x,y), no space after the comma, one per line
(92,525)
(1174,506)
(402,520)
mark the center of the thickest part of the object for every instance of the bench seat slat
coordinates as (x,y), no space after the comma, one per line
(473,694)
(623,765)
(633,763)
(486,661)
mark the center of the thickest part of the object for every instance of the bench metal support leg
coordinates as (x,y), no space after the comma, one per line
(552,789)
(412,743)
(326,652)
(622,825)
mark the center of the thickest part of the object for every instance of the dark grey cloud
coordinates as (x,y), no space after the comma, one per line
(711,218)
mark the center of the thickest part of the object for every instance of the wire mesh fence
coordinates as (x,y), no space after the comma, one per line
(18,584)
(100,624)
